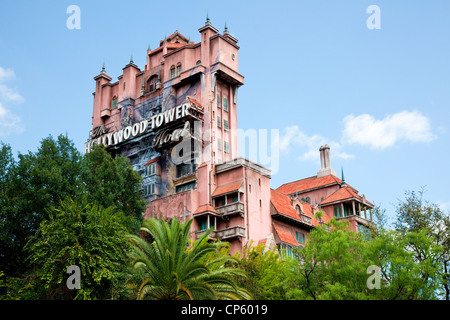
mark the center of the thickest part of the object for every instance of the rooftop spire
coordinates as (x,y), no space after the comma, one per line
(342,175)
(207,18)
(226,28)
(131,59)
(103,68)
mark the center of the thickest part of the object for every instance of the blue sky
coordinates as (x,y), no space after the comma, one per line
(313,70)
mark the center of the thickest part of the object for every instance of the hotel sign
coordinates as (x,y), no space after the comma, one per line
(139,128)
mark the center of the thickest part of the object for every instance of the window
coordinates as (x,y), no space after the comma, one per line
(172,72)
(151,87)
(300,237)
(226,147)
(218,101)
(114,103)
(219,122)
(297,208)
(225,124)
(149,189)
(236,198)
(225,104)
(186,186)
(202,223)
(219,144)
(337,211)
(184,169)
(178,71)
(199,62)
(150,169)
(220,201)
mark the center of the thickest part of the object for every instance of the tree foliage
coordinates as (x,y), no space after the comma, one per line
(266,275)
(38,181)
(172,268)
(82,234)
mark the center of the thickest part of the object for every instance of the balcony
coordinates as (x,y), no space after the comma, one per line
(224,234)
(231,209)
(105,113)
(358,219)
(231,232)
(305,219)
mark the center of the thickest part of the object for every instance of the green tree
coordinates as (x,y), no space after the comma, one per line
(331,265)
(266,275)
(172,268)
(335,261)
(30,187)
(415,214)
(82,234)
(113,182)
(40,180)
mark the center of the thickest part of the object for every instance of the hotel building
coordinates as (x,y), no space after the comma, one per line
(176,121)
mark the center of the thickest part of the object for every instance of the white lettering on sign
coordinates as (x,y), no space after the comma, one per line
(165,137)
(139,128)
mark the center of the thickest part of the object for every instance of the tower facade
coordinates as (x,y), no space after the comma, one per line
(176,121)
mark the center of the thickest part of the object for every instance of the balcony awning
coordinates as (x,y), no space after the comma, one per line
(228,188)
(205,210)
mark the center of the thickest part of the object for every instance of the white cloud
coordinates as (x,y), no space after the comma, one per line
(294,139)
(380,134)
(9,122)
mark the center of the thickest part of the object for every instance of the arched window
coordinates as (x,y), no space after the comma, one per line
(297,208)
(151,83)
(114,102)
(172,72)
(178,70)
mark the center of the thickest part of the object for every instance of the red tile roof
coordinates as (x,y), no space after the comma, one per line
(285,234)
(227,188)
(205,208)
(309,184)
(343,193)
(282,204)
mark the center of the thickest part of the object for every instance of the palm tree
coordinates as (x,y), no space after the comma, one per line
(175,269)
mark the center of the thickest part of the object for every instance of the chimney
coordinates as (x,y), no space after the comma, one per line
(325,169)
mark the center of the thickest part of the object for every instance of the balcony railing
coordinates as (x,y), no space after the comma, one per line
(224,234)
(306,219)
(358,219)
(231,209)
(231,232)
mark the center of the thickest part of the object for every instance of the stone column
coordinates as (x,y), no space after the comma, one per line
(354,209)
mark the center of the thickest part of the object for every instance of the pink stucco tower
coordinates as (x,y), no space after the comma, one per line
(176,121)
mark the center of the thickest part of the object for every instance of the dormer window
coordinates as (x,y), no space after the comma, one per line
(152,83)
